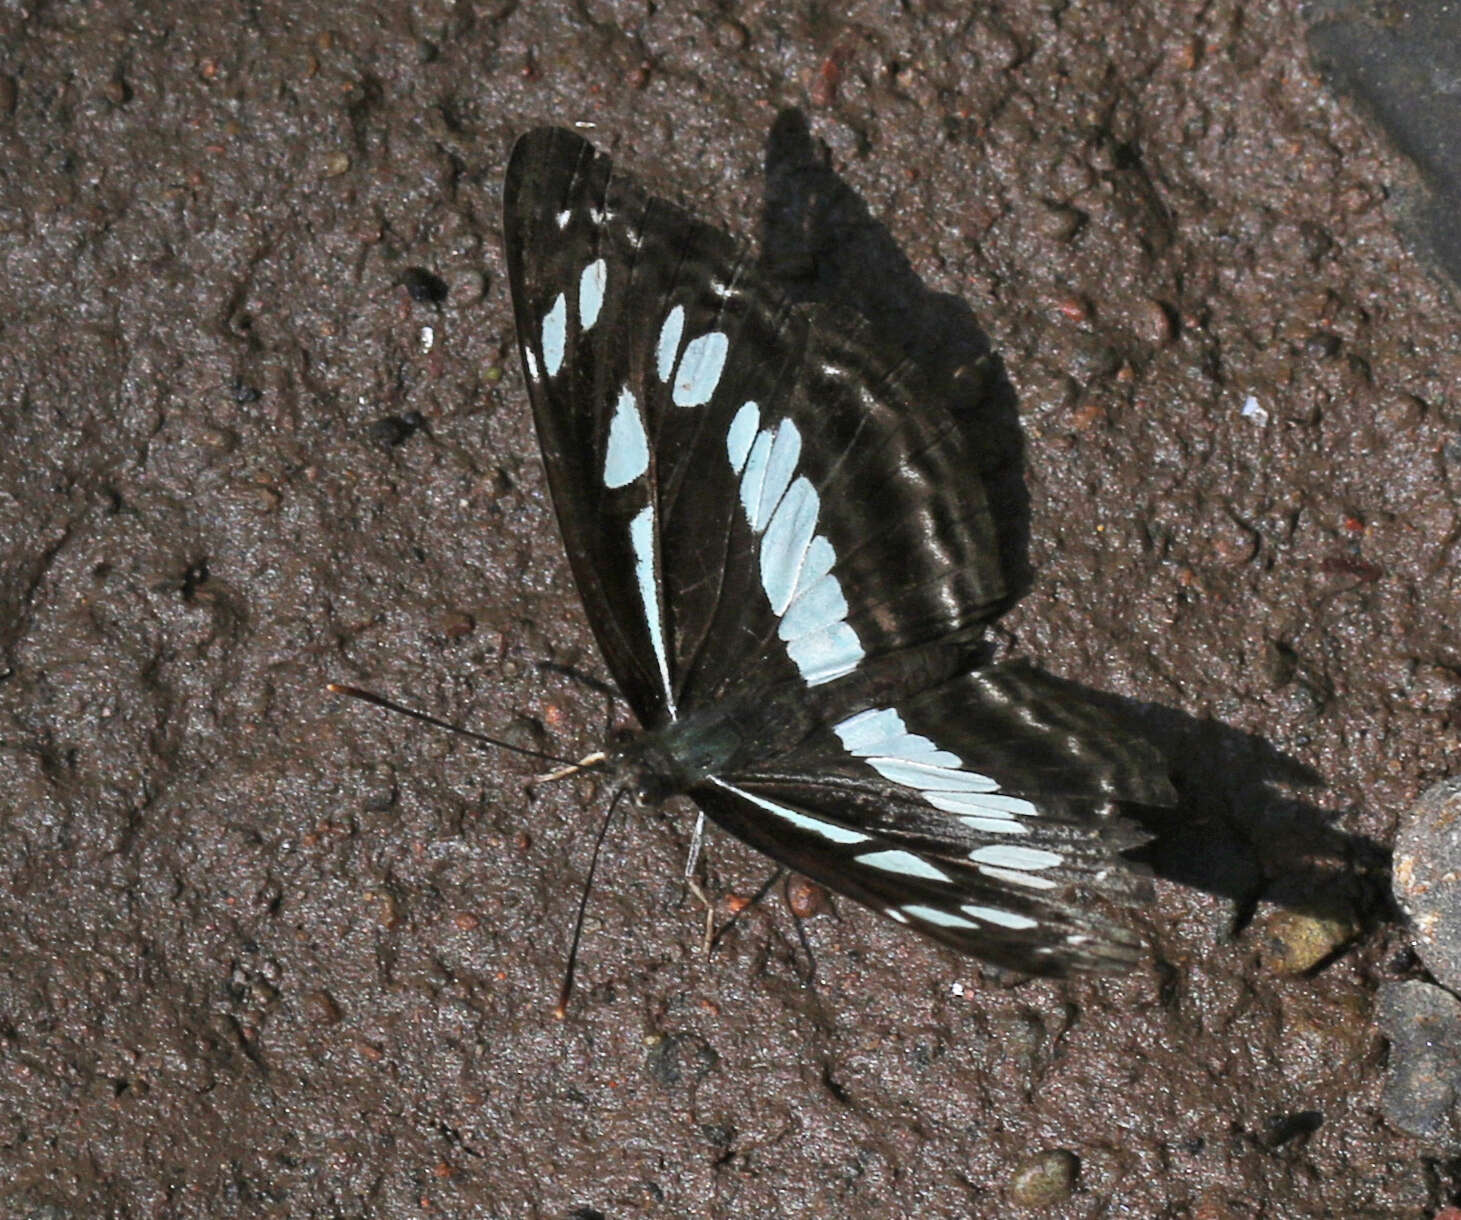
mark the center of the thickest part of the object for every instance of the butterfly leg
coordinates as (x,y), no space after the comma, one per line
(697,841)
(692,860)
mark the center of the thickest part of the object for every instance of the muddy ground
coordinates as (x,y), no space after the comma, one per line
(264,952)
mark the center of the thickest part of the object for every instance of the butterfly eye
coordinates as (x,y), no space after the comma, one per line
(651,790)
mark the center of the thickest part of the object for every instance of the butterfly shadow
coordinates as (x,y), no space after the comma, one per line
(821,244)
(1237,831)
(1244,830)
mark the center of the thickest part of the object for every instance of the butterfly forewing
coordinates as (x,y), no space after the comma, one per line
(811,507)
(779,535)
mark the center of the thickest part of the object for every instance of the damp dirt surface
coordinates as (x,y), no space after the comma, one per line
(269,953)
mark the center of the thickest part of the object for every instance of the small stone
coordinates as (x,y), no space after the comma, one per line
(1401,413)
(1322,345)
(321,1007)
(335,164)
(1060,223)
(805,897)
(1292,942)
(1152,322)
(730,35)
(467,287)
(1423,1084)
(1045,1179)
(994,45)
(1427,878)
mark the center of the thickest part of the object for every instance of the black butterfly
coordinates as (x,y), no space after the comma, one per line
(787,559)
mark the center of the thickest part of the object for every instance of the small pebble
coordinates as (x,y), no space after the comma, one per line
(468,287)
(1423,1081)
(1045,1179)
(335,164)
(1427,878)
(1292,942)
(805,897)
(321,1007)
(1060,223)
(1152,323)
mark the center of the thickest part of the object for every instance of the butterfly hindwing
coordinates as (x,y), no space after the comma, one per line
(980,812)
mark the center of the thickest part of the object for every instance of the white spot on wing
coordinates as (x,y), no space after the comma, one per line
(742,433)
(914,761)
(786,449)
(976,802)
(787,537)
(989,826)
(627,455)
(826,654)
(914,748)
(904,863)
(1002,855)
(869,728)
(997,803)
(931,778)
(591,285)
(700,369)
(937,915)
(819,606)
(795,561)
(1005,919)
(1031,881)
(532,362)
(755,473)
(555,335)
(820,561)
(830,831)
(669,342)
(641,538)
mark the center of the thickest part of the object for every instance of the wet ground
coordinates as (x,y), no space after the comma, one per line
(266,953)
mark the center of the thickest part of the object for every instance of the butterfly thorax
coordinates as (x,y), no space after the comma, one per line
(714,740)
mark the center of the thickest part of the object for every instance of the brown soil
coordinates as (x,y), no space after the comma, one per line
(266,953)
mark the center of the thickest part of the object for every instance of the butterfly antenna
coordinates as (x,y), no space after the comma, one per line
(560,1010)
(355,692)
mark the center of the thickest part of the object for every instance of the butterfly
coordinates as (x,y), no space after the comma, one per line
(789,564)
